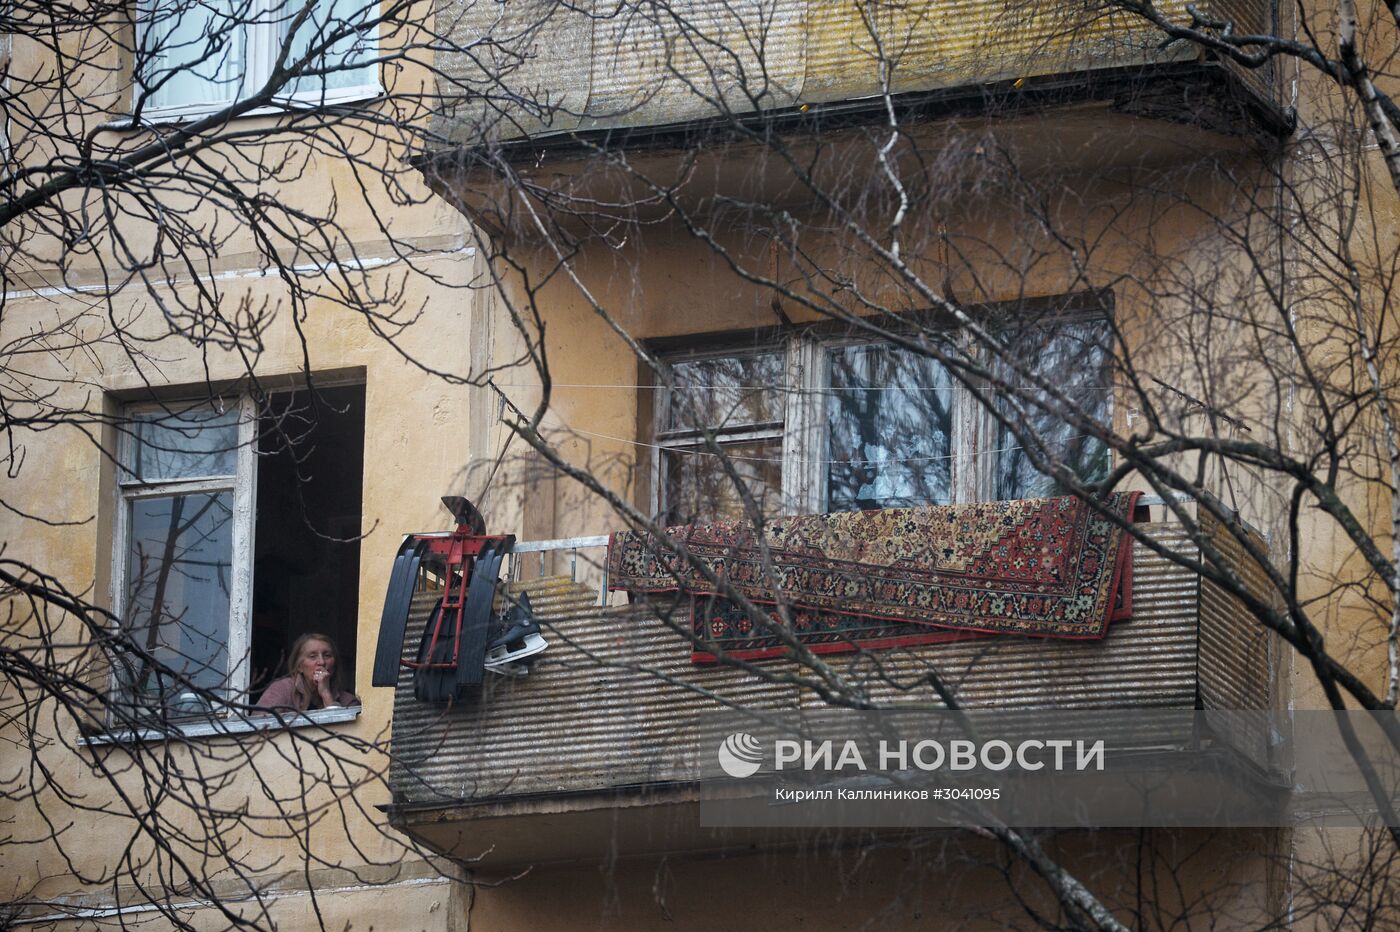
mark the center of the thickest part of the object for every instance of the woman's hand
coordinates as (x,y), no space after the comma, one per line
(321,682)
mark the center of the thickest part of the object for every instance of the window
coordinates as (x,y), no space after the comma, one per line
(1074,356)
(199,55)
(235,534)
(817,423)
(888,416)
(728,395)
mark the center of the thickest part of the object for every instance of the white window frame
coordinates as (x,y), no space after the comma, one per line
(263,42)
(224,727)
(243,484)
(805,470)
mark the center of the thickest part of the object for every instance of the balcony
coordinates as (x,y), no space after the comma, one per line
(597,742)
(715,83)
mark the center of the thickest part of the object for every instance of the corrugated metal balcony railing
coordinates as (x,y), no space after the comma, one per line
(603,725)
(627,66)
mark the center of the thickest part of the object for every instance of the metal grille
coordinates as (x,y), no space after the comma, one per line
(1238,654)
(1251,17)
(601,708)
(1149,661)
(638,65)
(604,707)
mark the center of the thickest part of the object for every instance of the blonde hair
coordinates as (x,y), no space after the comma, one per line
(294,657)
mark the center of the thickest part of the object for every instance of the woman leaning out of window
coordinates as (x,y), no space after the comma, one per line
(310,682)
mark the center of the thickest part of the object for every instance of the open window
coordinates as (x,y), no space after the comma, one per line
(817,422)
(237,531)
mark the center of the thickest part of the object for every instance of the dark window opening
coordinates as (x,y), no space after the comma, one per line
(306,562)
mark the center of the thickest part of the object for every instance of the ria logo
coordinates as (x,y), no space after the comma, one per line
(740,755)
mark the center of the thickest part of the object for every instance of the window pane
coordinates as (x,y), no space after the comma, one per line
(725,392)
(889,426)
(345,56)
(189,444)
(1075,358)
(198,52)
(698,489)
(177,600)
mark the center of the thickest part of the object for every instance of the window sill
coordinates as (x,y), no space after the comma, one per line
(221,727)
(288,106)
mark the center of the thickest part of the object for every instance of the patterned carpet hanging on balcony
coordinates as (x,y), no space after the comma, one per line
(1053,568)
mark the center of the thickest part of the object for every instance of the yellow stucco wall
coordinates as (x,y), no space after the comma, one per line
(416,449)
(424,437)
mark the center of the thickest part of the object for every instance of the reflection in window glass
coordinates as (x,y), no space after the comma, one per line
(1075,358)
(699,489)
(342,58)
(190,444)
(199,51)
(723,392)
(177,599)
(889,425)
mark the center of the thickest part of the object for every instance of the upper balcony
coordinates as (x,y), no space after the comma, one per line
(546,87)
(598,742)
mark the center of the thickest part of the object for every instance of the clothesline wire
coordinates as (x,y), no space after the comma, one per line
(779,460)
(784,389)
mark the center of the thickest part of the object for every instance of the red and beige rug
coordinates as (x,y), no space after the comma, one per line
(1054,568)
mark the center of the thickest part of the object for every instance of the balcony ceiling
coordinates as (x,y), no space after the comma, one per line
(776,161)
